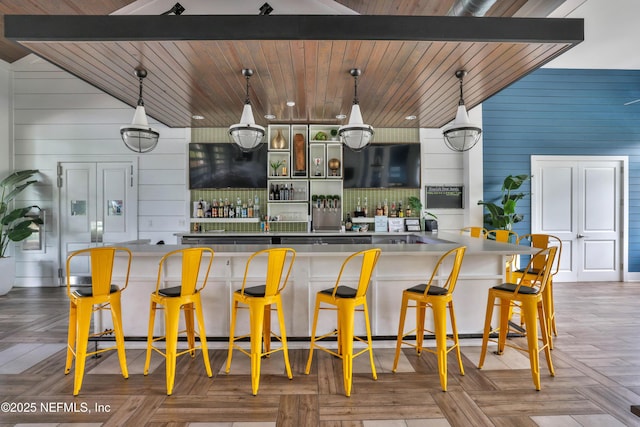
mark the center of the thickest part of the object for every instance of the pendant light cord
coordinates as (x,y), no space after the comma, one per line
(355,91)
(461,102)
(140,101)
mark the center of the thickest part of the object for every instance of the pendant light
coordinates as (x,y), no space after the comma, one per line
(138,136)
(247,134)
(461,135)
(356,135)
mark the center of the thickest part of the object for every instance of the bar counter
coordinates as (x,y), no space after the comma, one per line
(401,265)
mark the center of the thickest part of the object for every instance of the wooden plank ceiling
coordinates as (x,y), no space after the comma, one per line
(196,76)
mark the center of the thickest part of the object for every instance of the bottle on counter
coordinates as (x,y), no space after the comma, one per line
(256,206)
(276,194)
(292,193)
(220,208)
(225,211)
(249,208)
(365,209)
(358,207)
(272,192)
(400,211)
(348,224)
(214,209)
(385,208)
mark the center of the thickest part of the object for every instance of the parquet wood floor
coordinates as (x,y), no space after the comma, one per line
(596,356)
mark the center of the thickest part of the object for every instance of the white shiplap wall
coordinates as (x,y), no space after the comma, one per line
(441,166)
(58,117)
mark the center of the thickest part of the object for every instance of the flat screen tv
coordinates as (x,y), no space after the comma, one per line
(224,165)
(382,166)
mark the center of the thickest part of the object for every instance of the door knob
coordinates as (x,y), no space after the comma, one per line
(580,236)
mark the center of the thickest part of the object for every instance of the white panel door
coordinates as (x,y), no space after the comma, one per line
(579,201)
(98,206)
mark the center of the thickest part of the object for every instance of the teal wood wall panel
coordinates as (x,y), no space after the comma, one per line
(564,112)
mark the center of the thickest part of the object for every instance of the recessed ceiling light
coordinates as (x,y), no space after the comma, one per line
(290,103)
(411,117)
(269,116)
(197,117)
(341,116)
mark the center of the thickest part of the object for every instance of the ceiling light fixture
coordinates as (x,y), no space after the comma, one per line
(270,116)
(247,134)
(177,9)
(138,136)
(356,135)
(461,135)
(291,103)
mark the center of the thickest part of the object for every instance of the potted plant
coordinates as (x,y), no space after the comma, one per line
(416,207)
(15,225)
(503,216)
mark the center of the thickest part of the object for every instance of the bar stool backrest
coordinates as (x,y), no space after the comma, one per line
(480,232)
(101,261)
(543,241)
(278,259)
(504,236)
(452,258)
(369,259)
(538,277)
(191,263)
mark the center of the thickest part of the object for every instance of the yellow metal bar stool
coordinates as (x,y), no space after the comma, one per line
(276,264)
(436,294)
(528,293)
(184,297)
(84,301)
(345,299)
(543,241)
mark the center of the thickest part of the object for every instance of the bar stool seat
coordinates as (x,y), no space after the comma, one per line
(84,301)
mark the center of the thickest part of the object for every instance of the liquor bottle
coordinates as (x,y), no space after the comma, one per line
(365,209)
(385,208)
(292,193)
(276,194)
(244,210)
(393,212)
(226,208)
(358,207)
(214,209)
(220,208)
(249,208)
(400,211)
(256,206)
(200,210)
(284,193)
(379,210)
(272,193)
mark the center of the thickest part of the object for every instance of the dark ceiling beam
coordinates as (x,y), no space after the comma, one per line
(292,27)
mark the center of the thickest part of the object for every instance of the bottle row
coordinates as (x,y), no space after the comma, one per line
(393,210)
(225,209)
(288,192)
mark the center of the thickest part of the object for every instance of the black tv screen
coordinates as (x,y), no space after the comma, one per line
(224,165)
(382,166)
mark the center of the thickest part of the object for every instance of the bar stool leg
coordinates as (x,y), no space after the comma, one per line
(421,309)
(71,336)
(232,327)
(346,312)
(256,319)
(456,342)
(152,319)
(529,308)
(85,310)
(440,322)
(487,329)
(203,336)
(403,314)
(369,342)
(189,326)
(283,337)
(307,369)
(172,315)
(116,317)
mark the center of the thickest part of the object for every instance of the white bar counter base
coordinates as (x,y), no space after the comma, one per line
(316,267)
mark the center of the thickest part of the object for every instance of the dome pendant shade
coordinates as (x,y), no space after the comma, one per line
(247,134)
(138,136)
(356,135)
(461,135)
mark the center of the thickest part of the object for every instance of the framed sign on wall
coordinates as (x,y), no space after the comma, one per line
(444,196)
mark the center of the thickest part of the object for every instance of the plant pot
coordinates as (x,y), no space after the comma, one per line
(7,274)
